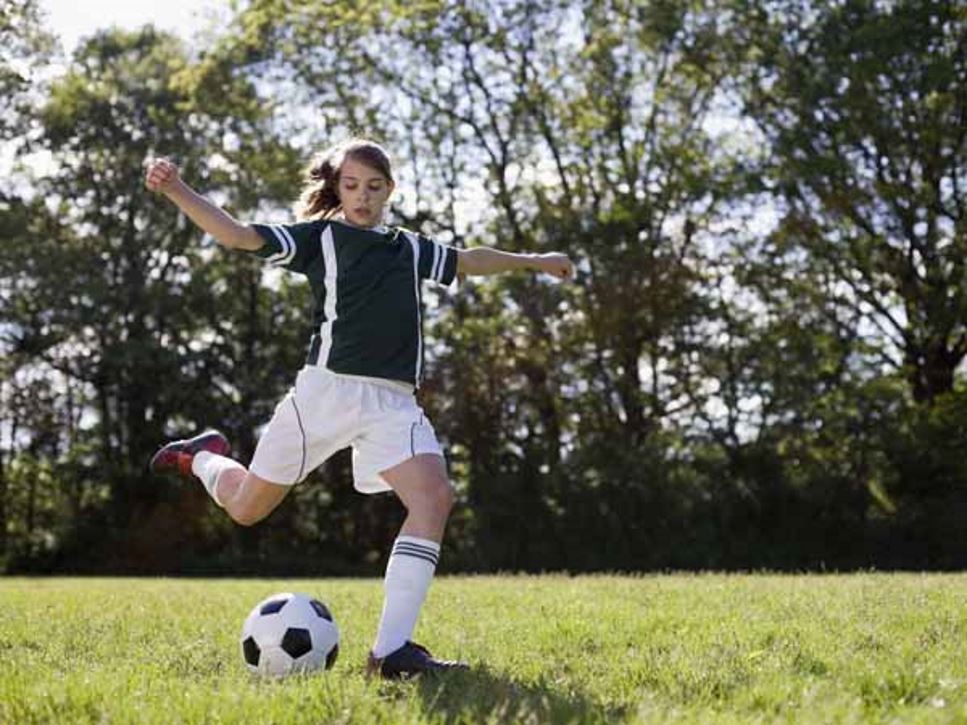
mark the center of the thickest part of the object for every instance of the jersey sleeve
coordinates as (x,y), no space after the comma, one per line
(290,246)
(438,262)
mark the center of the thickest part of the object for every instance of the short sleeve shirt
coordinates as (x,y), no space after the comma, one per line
(366,287)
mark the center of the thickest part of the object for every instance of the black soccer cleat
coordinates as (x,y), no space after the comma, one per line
(410,660)
(176,457)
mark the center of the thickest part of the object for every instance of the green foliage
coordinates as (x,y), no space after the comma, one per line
(756,366)
(118,314)
(543,649)
(25,49)
(863,104)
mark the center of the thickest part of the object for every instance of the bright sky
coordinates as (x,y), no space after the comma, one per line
(73,19)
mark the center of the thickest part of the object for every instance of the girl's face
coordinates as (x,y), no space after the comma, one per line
(363,192)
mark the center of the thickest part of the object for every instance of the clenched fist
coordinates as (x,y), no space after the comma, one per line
(556,264)
(160,174)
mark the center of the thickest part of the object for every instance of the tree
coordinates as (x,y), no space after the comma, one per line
(865,107)
(112,299)
(573,127)
(25,49)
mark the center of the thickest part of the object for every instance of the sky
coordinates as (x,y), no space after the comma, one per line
(73,19)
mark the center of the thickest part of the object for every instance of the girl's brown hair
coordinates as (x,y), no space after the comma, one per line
(319,198)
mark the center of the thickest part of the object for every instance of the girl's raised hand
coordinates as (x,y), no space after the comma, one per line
(160,174)
(556,264)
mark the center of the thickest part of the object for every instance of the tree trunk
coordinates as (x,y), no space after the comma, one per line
(930,370)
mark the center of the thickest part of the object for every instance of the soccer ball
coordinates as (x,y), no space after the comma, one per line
(288,633)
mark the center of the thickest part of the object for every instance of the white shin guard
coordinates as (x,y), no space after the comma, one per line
(408,575)
(209,466)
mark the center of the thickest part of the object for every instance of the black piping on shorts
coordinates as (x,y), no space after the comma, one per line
(302,430)
(413,428)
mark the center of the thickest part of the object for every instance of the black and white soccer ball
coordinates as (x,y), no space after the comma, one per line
(288,633)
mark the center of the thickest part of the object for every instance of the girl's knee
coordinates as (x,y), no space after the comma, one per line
(254,500)
(433,496)
(246,516)
(440,496)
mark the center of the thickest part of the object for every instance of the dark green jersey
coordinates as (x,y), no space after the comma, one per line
(366,288)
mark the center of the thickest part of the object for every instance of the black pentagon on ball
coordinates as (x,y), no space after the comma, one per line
(321,609)
(331,657)
(272,607)
(296,642)
(251,651)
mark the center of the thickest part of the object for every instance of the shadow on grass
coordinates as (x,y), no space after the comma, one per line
(482,695)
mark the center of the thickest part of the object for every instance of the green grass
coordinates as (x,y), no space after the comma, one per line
(707,648)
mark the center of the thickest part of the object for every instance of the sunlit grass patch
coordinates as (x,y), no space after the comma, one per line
(688,648)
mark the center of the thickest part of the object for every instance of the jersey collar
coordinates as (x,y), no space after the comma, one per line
(379,228)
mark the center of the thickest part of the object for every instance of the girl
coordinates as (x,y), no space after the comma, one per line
(363,366)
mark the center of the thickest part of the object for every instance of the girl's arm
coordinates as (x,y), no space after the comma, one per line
(484,261)
(161,175)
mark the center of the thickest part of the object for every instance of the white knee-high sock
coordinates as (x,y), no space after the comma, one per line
(208,467)
(408,575)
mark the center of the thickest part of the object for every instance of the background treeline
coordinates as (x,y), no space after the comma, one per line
(758,365)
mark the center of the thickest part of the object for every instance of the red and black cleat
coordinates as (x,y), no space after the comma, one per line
(408,661)
(176,457)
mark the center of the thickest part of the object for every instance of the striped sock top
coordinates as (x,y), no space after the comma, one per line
(417,548)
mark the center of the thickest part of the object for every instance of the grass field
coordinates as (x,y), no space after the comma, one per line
(679,648)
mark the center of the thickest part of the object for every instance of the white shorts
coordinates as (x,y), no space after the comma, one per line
(325,412)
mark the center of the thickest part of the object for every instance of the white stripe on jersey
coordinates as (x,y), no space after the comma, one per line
(436,262)
(287,250)
(325,331)
(415,243)
(292,247)
(274,258)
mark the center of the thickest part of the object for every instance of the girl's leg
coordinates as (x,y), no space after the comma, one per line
(424,488)
(245,497)
(422,485)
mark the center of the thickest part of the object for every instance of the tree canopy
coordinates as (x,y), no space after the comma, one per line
(759,364)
